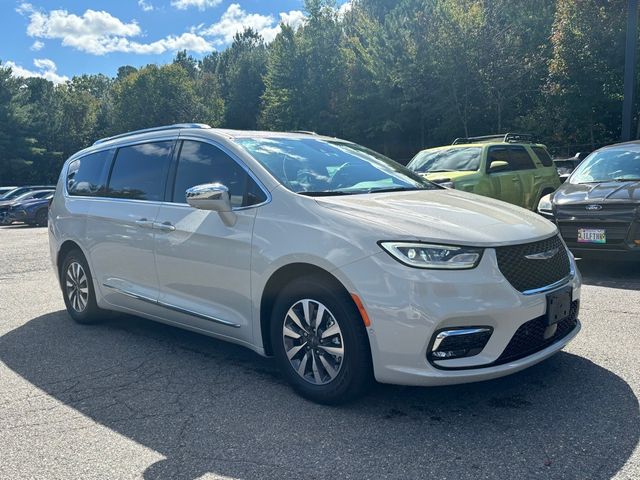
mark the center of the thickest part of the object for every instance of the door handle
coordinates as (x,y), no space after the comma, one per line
(515,179)
(144,223)
(165,227)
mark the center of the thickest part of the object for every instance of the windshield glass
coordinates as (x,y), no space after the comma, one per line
(315,166)
(447,160)
(608,165)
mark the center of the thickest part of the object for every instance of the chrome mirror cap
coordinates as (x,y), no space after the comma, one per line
(212,196)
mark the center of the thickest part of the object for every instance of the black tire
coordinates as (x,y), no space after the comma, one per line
(355,374)
(90,313)
(42,217)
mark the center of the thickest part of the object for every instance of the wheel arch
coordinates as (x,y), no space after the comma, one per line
(64,249)
(282,277)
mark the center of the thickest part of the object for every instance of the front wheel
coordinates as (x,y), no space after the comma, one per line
(320,342)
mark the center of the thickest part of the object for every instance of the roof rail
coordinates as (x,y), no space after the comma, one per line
(153,129)
(506,138)
(305,132)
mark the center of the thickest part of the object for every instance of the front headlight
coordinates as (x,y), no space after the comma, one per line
(425,255)
(545,206)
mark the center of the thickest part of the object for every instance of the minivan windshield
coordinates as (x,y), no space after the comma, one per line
(317,166)
(611,165)
(447,160)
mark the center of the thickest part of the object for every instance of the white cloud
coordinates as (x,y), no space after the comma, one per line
(235,20)
(145,6)
(200,4)
(45,69)
(344,8)
(99,33)
(37,45)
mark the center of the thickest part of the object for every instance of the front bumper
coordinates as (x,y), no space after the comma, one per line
(407,306)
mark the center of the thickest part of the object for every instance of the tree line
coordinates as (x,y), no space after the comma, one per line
(397,76)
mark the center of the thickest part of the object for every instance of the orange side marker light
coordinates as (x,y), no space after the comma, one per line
(363,312)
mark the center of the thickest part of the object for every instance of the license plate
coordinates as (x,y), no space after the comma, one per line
(558,305)
(592,235)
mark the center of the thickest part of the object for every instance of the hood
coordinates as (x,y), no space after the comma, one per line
(443,216)
(453,176)
(597,193)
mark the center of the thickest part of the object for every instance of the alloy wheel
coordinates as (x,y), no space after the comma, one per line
(77,287)
(313,341)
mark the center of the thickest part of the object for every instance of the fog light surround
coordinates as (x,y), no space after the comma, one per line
(460,342)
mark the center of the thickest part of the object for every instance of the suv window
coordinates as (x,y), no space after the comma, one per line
(543,156)
(517,157)
(87,175)
(139,171)
(204,163)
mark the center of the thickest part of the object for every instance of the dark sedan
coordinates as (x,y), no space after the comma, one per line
(598,208)
(33,212)
(6,205)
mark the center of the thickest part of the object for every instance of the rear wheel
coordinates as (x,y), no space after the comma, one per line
(320,342)
(42,218)
(77,289)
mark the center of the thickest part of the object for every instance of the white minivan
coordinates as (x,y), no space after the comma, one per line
(342,264)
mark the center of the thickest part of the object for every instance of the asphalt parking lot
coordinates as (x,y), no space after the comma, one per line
(134,399)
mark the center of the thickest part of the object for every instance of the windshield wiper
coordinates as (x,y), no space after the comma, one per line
(325,193)
(626,179)
(440,170)
(393,189)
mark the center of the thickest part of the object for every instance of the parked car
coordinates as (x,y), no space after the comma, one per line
(5,190)
(5,205)
(17,191)
(565,166)
(596,209)
(33,211)
(506,167)
(341,263)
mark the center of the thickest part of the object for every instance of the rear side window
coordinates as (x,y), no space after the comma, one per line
(204,163)
(87,175)
(140,171)
(543,156)
(520,159)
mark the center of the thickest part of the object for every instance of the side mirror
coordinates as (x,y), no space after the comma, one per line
(212,196)
(498,166)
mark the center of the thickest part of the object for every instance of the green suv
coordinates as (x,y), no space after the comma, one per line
(508,167)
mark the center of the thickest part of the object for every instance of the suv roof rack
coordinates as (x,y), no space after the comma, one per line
(506,138)
(153,129)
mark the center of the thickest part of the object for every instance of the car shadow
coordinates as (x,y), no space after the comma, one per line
(620,274)
(209,406)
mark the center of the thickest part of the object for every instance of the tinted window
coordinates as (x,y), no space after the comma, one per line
(516,157)
(204,163)
(88,175)
(520,159)
(316,166)
(499,154)
(140,171)
(447,160)
(543,155)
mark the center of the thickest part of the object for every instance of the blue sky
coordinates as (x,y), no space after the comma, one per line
(58,39)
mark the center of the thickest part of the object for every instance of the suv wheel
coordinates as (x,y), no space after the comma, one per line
(320,342)
(77,289)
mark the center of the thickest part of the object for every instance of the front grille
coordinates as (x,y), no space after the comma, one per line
(525,274)
(530,337)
